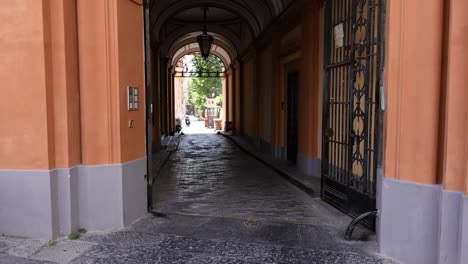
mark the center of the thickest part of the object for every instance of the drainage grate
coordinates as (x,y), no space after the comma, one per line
(63,252)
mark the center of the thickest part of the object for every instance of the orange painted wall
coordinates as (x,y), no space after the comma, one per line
(24,127)
(456,110)
(97,37)
(291,67)
(225,93)
(412,81)
(62,51)
(156,101)
(237,95)
(111,58)
(163,97)
(171,101)
(276,108)
(131,72)
(466,158)
(40,65)
(319,94)
(230,95)
(265,86)
(248,112)
(309,83)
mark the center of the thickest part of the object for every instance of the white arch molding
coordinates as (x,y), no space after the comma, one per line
(188,34)
(193,47)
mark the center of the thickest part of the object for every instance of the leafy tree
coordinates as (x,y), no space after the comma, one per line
(199,87)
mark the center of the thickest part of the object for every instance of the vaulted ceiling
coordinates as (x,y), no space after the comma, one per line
(233,23)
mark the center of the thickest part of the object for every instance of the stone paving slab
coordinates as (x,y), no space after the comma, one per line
(295,255)
(3,246)
(20,247)
(308,183)
(221,206)
(184,225)
(210,176)
(8,259)
(218,260)
(63,251)
(183,249)
(249,252)
(264,232)
(127,239)
(219,240)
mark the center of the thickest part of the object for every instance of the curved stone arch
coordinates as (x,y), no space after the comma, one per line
(234,7)
(193,47)
(216,30)
(263,11)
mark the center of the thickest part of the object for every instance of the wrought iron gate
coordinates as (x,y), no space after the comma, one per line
(353,65)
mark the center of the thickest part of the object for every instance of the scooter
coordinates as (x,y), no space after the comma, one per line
(187,121)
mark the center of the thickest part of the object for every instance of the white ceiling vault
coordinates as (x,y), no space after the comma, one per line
(174,24)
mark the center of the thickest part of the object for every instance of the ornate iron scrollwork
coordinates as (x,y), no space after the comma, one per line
(351,94)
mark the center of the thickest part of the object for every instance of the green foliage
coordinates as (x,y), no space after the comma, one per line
(219,99)
(52,243)
(74,236)
(82,230)
(200,88)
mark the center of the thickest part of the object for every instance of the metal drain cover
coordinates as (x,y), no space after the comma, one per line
(250,223)
(63,252)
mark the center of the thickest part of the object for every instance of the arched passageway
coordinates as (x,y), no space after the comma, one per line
(273,57)
(359,103)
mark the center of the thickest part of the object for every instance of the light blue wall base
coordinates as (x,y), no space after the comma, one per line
(26,208)
(463,228)
(449,219)
(309,166)
(47,204)
(279,152)
(67,200)
(100,197)
(134,193)
(112,196)
(421,223)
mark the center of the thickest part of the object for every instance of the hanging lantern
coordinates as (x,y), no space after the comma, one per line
(204,40)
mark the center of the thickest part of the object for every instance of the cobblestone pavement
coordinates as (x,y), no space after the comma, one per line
(210,176)
(219,205)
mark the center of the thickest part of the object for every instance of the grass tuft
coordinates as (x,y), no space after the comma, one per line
(52,243)
(74,236)
(82,230)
